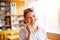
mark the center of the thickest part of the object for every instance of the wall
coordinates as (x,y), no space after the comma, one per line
(59,13)
(50,11)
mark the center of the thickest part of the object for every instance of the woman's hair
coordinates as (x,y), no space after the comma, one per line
(27,11)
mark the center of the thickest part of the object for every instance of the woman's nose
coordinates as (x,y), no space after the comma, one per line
(32,19)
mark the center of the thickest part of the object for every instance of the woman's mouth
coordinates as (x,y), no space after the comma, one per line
(32,23)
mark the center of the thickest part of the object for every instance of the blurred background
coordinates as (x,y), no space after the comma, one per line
(12,19)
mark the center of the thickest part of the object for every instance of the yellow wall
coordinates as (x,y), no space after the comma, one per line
(20,5)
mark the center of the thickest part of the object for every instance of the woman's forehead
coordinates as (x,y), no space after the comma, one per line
(31,13)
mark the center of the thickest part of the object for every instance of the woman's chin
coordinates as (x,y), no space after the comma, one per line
(32,24)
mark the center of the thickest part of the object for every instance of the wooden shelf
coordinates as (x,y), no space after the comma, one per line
(7,25)
(10,15)
(15,24)
(16,15)
(5,11)
(4,0)
(4,6)
(5,14)
(4,21)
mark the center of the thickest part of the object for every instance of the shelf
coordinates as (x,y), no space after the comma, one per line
(4,21)
(4,0)
(10,15)
(15,24)
(4,6)
(16,15)
(5,14)
(6,26)
(4,10)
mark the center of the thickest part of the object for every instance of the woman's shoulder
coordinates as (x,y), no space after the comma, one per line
(23,33)
(41,29)
(23,29)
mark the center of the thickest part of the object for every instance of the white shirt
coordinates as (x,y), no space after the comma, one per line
(39,35)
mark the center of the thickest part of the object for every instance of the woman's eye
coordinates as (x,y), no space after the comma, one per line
(33,15)
(28,18)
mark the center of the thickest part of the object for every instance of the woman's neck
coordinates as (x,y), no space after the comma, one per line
(34,28)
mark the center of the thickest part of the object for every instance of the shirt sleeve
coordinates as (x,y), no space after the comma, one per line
(23,34)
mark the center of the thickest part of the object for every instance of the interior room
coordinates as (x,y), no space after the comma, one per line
(12,17)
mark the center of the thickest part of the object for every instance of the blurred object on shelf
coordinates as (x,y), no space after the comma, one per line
(0,30)
(21,22)
(2,22)
(20,17)
(2,12)
(13,8)
(2,8)
(3,27)
(8,29)
(5,19)
(15,27)
(2,3)
(17,22)
(8,12)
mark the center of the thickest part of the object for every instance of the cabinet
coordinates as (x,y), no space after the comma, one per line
(5,15)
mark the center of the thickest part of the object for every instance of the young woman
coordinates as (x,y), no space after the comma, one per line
(31,31)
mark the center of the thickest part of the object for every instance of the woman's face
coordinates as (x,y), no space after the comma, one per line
(30,18)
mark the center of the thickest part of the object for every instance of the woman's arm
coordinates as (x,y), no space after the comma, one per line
(28,37)
(29,31)
(23,34)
